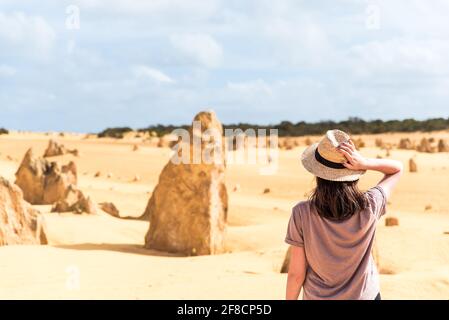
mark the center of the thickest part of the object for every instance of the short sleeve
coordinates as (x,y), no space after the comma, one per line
(377,201)
(294,230)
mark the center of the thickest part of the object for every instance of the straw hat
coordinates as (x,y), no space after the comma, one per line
(325,161)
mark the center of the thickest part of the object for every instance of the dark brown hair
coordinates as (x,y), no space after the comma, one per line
(337,200)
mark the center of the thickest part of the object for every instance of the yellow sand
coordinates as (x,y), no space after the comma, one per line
(96,257)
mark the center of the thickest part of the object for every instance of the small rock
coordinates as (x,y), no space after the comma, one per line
(110,208)
(308,141)
(406,144)
(236,188)
(428,207)
(379,143)
(412,165)
(443,146)
(97,174)
(286,263)
(359,143)
(74,152)
(391,221)
(266,190)
(136,178)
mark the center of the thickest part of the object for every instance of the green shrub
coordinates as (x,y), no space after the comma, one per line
(114,132)
(287,128)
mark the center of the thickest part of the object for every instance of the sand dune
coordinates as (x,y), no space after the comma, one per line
(106,254)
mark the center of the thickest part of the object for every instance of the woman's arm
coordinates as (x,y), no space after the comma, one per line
(391,169)
(296,272)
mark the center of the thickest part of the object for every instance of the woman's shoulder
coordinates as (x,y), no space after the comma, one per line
(377,200)
(301,208)
(376,194)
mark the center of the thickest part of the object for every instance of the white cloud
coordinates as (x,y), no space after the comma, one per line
(7,71)
(178,9)
(428,56)
(275,94)
(31,34)
(251,88)
(151,73)
(298,42)
(199,48)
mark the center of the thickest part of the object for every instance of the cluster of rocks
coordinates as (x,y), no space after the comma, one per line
(43,182)
(426,145)
(74,201)
(55,149)
(167,141)
(289,143)
(406,144)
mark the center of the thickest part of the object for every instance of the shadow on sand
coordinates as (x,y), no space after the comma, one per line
(125,248)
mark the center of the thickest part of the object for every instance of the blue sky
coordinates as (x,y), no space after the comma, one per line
(138,63)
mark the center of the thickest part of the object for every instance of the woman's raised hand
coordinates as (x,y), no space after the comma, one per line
(355,160)
(392,169)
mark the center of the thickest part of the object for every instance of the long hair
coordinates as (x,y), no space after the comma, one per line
(337,200)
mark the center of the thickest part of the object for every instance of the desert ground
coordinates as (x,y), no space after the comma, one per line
(102,257)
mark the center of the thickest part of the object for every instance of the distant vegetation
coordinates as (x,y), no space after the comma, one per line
(3,131)
(114,132)
(359,126)
(287,128)
(162,130)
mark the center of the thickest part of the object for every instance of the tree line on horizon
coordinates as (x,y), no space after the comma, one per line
(286,128)
(352,125)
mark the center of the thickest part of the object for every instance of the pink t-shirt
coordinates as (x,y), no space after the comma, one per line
(340,264)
